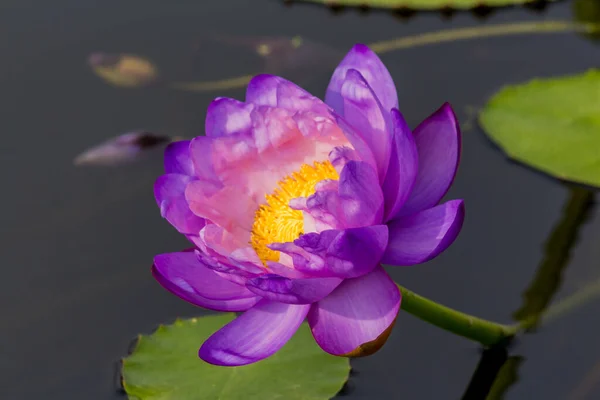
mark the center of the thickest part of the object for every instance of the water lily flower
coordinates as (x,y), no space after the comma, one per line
(293,205)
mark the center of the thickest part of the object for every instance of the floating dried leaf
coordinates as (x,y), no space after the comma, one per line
(121,149)
(123,70)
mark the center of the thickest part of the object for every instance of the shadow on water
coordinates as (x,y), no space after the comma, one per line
(481,10)
(557,253)
(497,371)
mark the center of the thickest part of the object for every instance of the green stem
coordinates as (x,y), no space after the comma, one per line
(487,333)
(478,32)
(423,39)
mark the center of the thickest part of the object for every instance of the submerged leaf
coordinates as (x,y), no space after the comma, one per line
(293,57)
(419,4)
(165,366)
(587,12)
(121,149)
(123,70)
(550,124)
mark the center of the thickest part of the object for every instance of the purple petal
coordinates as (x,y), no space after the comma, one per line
(177,158)
(201,155)
(292,291)
(365,61)
(344,254)
(422,236)
(340,156)
(402,169)
(362,110)
(169,191)
(255,335)
(274,91)
(355,200)
(360,145)
(184,275)
(356,318)
(227,116)
(360,194)
(438,145)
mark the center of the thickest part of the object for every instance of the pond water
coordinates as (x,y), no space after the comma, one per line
(77,243)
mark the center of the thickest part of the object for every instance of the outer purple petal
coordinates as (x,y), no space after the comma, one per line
(356,319)
(177,158)
(255,335)
(365,61)
(201,155)
(185,270)
(292,291)
(274,91)
(363,111)
(344,254)
(438,144)
(227,116)
(169,191)
(183,275)
(402,169)
(422,236)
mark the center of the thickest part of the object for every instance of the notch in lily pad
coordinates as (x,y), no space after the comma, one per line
(420,4)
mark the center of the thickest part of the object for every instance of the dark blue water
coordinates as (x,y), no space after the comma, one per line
(77,243)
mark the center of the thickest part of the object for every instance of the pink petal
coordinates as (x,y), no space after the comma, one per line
(229,208)
(438,144)
(185,276)
(236,171)
(356,318)
(402,169)
(365,61)
(255,335)
(420,237)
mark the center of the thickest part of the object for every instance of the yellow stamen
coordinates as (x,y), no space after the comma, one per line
(275,221)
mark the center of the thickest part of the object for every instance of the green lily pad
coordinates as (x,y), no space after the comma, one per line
(552,125)
(419,4)
(165,366)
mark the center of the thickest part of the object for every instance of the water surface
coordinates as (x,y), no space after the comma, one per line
(78,242)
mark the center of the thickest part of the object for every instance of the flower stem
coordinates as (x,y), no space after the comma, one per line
(487,333)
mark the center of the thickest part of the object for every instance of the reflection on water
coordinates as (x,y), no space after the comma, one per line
(557,252)
(79,242)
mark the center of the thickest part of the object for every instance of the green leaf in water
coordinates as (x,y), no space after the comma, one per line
(165,366)
(550,124)
(419,4)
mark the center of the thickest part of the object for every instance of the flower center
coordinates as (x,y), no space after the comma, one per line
(275,221)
